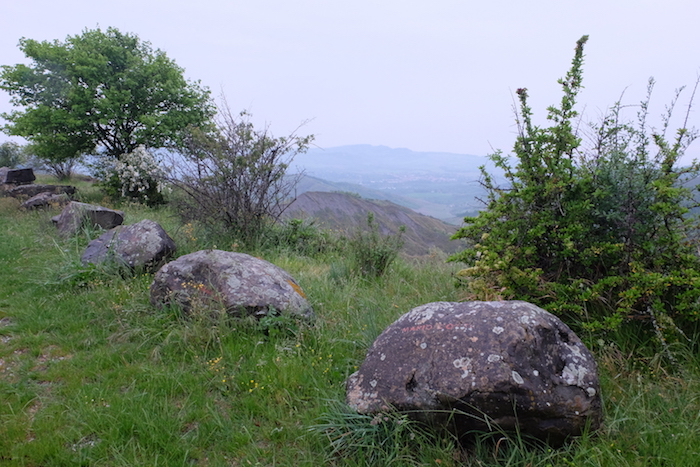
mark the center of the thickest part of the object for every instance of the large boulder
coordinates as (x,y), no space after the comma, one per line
(16,176)
(142,245)
(29,191)
(476,365)
(240,283)
(76,215)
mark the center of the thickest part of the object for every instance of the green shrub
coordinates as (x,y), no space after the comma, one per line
(301,237)
(371,252)
(233,179)
(594,235)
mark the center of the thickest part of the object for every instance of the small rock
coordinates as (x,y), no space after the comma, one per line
(76,215)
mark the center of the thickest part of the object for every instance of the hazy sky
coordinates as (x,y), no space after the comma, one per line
(435,75)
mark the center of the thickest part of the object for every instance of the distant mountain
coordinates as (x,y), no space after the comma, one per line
(347,212)
(308,183)
(352,163)
(441,185)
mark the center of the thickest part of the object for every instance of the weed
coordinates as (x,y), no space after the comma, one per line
(371,252)
(278,324)
(383,439)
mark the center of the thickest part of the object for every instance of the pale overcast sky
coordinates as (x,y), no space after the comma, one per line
(435,75)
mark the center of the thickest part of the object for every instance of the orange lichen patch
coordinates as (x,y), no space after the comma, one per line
(296,288)
(197,287)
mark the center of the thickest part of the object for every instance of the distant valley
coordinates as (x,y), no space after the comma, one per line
(442,185)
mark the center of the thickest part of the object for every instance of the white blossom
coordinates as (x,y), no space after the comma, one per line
(137,170)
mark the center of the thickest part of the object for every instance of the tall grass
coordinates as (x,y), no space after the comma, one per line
(91,374)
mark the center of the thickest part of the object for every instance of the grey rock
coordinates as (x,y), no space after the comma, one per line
(141,245)
(16,176)
(457,364)
(76,215)
(46,200)
(29,191)
(240,283)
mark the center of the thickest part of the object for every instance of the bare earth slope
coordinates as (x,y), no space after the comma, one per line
(345,212)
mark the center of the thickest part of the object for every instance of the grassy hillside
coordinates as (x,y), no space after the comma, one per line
(92,374)
(345,212)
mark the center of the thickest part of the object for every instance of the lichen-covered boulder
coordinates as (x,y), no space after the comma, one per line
(240,283)
(142,245)
(76,215)
(459,364)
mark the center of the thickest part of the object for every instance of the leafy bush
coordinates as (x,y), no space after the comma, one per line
(595,235)
(134,176)
(233,180)
(371,252)
(301,237)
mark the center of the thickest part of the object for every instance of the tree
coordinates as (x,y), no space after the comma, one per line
(234,179)
(594,235)
(101,92)
(11,154)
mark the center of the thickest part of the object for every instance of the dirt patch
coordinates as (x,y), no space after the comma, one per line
(49,355)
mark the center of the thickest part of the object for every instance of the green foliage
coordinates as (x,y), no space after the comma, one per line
(233,180)
(371,252)
(278,324)
(596,235)
(100,91)
(385,439)
(301,237)
(11,155)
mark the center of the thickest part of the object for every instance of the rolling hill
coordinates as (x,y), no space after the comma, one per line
(347,212)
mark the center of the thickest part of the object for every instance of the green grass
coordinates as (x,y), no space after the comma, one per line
(91,374)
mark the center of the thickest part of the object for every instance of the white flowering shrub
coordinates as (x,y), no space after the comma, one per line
(136,176)
(139,172)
